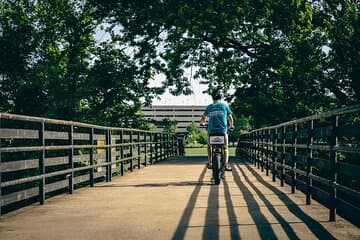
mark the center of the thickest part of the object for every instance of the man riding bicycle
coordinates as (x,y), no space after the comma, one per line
(218,114)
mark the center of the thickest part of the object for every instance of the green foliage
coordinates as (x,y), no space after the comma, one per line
(168,125)
(285,59)
(51,65)
(195,135)
(241,125)
(193,129)
(202,137)
(193,132)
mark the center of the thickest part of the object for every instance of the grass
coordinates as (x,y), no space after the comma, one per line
(202,151)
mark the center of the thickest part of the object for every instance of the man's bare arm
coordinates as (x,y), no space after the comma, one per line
(202,120)
(231,121)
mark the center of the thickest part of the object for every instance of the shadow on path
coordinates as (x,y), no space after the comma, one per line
(315,227)
(185,218)
(234,229)
(286,226)
(211,229)
(263,226)
(162,184)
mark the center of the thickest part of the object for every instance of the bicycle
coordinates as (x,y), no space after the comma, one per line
(217,148)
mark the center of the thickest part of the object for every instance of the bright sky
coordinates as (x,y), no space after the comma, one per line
(198,98)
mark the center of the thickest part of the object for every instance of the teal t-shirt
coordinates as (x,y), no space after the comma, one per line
(217,113)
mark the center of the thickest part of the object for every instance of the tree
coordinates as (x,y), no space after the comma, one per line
(278,55)
(17,45)
(168,125)
(193,132)
(202,138)
(285,59)
(241,125)
(50,58)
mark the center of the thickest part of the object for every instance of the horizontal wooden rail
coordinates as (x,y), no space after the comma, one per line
(42,157)
(318,155)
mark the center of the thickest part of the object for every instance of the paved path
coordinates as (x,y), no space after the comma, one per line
(176,200)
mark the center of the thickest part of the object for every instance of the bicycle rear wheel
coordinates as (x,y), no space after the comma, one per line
(216,161)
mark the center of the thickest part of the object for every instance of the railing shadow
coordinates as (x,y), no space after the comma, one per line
(313,226)
(234,228)
(211,229)
(262,224)
(264,227)
(284,224)
(185,218)
(162,184)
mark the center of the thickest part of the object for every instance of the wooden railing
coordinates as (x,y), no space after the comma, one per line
(40,158)
(319,155)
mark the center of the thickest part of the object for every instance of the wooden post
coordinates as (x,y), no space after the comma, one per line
(253,140)
(92,157)
(71,159)
(253,149)
(145,148)
(267,152)
(131,151)
(156,147)
(0,173)
(108,155)
(253,156)
(283,153)
(42,163)
(151,147)
(138,150)
(248,155)
(262,149)
(333,165)
(250,147)
(174,150)
(309,161)
(161,146)
(293,176)
(165,145)
(274,155)
(257,150)
(168,146)
(122,152)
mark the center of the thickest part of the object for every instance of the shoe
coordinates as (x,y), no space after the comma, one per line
(228,168)
(208,165)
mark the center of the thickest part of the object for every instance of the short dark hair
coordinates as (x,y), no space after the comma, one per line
(216,94)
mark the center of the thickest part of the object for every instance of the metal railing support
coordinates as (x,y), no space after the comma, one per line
(71,159)
(92,157)
(333,165)
(42,163)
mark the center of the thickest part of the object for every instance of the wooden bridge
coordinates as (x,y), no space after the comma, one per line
(175,199)
(118,197)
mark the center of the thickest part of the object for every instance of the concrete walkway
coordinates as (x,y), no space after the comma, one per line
(175,200)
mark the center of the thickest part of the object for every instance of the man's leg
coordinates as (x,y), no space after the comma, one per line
(209,156)
(226,153)
(226,157)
